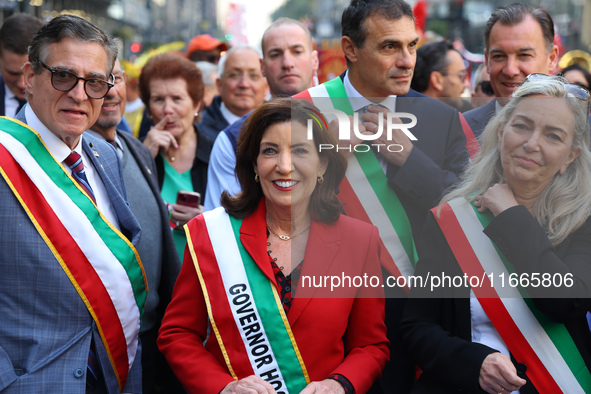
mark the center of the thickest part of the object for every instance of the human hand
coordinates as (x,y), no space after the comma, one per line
(249,385)
(181,214)
(496,199)
(159,139)
(326,386)
(498,375)
(396,155)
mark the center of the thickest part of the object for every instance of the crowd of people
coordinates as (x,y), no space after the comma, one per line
(161,225)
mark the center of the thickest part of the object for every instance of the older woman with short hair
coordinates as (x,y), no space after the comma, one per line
(171,87)
(245,256)
(517,227)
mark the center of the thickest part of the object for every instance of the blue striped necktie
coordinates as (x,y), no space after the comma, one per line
(74,161)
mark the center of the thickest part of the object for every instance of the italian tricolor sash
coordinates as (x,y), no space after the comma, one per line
(365,192)
(101,263)
(554,364)
(244,308)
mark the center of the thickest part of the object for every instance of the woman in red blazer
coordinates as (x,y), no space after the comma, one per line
(235,324)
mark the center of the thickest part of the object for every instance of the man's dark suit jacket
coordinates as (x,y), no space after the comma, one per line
(479,117)
(213,120)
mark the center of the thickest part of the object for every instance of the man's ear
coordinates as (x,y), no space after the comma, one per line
(29,75)
(436,80)
(349,49)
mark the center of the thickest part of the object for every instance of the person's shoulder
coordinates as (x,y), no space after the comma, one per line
(212,112)
(354,228)
(135,145)
(102,150)
(480,112)
(427,103)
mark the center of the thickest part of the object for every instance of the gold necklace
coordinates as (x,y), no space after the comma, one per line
(287,237)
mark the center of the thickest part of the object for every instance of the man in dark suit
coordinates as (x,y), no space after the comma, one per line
(72,288)
(518,41)
(16,35)
(379,41)
(156,248)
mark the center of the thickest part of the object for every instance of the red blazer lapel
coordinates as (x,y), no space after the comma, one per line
(323,244)
(253,236)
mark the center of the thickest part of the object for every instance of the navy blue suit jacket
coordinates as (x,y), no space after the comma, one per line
(46,328)
(479,117)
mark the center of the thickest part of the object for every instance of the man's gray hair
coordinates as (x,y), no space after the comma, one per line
(70,26)
(222,63)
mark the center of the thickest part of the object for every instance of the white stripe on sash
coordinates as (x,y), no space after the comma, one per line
(367,196)
(232,271)
(529,326)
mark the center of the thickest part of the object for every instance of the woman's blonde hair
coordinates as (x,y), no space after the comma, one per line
(565,204)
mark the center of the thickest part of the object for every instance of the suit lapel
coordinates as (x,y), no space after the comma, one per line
(323,244)
(252,233)
(127,221)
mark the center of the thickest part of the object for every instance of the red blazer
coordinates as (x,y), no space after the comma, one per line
(344,336)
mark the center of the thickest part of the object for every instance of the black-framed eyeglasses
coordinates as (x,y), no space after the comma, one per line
(486,88)
(64,81)
(577,91)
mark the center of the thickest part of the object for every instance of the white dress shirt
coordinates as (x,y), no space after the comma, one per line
(61,151)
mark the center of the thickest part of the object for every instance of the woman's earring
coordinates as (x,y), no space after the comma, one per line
(256,178)
(320,179)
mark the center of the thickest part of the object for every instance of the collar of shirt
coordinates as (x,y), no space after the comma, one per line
(60,151)
(498,106)
(57,147)
(358,101)
(9,94)
(11,102)
(228,115)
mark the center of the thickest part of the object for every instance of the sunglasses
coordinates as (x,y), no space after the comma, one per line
(486,88)
(574,90)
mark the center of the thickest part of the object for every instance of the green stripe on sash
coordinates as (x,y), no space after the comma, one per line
(557,332)
(116,243)
(375,175)
(272,317)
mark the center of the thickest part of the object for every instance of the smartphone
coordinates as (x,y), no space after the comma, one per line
(187,198)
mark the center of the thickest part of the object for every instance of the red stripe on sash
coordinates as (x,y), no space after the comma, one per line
(471,141)
(355,209)
(219,300)
(305,95)
(492,304)
(82,272)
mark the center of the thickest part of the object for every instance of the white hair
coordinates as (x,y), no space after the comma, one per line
(222,62)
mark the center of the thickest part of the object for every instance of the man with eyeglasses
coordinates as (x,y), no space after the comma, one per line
(518,41)
(440,73)
(241,87)
(72,288)
(156,247)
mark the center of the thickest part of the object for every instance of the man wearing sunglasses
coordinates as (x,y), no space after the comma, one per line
(72,288)
(518,41)
(482,91)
